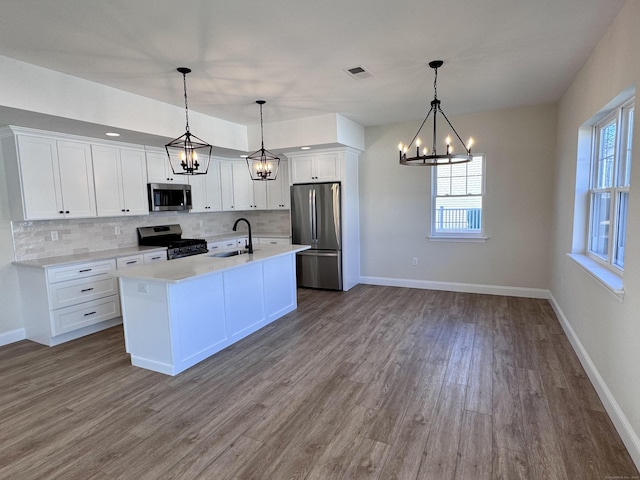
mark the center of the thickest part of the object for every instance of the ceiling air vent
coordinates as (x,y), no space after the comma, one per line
(359,72)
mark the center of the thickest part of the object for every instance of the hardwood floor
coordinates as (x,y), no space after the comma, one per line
(376,383)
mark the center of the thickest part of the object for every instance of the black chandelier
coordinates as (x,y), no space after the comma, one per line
(432,159)
(188,154)
(263,165)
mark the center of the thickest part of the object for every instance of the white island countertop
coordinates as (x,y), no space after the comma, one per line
(181,269)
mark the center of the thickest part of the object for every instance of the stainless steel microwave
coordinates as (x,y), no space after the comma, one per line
(165,197)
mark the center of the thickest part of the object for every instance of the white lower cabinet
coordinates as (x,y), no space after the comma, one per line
(170,326)
(64,303)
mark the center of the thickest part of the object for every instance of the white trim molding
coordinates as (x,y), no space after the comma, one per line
(12,336)
(457,287)
(623,426)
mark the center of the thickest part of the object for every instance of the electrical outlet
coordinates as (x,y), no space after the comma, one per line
(142,287)
(415,261)
(54,235)
(117,229)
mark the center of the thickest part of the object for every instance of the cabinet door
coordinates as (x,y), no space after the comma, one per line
(76,179)
(242,188)
(134,181)
(40,178)
(198,193)
(107,175)
(326,167)
(302,169)
(278,190)
(158,169)
(214,191)
(226,186)
(259,193)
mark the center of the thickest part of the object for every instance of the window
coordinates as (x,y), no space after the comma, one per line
(457,197)
(609,189)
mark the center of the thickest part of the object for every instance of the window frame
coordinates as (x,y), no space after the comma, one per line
(458,235)
(619,186)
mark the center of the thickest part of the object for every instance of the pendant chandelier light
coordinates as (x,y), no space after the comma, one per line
(188,154)
(263,165)
(432,159)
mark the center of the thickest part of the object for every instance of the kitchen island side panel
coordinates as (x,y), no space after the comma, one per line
(147,329)
(280,286)
(198,326)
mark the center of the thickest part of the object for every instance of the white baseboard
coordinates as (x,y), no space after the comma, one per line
(623,426)
(12,336)
(458,287)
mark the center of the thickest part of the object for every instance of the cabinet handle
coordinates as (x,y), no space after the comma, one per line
(85,270)
(61,211)
(90,313)
(67,211)
(132,261)
(155,258)
(122,210)
(86,289)
(127,209)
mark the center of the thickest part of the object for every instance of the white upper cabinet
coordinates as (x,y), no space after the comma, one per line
(321,167)
(206,195)
(57,178)
(278,197)
(226,186)
(158,168)
(120,180)
(248,194)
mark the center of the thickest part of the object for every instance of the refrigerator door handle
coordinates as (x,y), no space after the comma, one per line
(314,219)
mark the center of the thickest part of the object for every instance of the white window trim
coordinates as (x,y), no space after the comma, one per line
(479,237)
(595,261)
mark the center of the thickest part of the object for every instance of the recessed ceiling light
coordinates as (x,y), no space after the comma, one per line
(244,156)
(112,134)
(305,148)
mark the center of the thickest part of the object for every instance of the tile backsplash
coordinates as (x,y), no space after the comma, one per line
(35,239)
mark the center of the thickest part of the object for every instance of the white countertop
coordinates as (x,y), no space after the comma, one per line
(87,257)
(180,269)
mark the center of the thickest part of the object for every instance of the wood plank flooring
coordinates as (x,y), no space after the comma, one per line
(375,383)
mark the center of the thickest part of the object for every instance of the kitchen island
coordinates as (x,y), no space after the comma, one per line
(178,313)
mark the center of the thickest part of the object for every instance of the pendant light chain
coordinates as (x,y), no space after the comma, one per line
(186,107)
(261,128)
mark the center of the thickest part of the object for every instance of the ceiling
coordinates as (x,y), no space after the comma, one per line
(497,53)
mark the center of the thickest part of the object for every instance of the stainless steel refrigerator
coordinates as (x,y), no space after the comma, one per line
(316,221)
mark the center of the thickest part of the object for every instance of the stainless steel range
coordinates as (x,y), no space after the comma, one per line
(170,236)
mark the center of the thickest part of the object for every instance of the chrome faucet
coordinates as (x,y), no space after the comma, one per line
(250,242)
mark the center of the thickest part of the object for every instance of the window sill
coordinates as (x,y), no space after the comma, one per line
(608,279)
(458,238)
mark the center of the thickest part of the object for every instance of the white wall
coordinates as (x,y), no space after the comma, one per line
(607,330)
(10,314)
(395,207)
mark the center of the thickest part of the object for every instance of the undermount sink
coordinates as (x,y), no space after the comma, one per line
(232,253)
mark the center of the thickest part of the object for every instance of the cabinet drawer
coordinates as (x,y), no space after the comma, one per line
(130,261)
(152,257)
(215,246)
(60,274)
(230,244)
(274,241)
(78,316)
(72,292)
